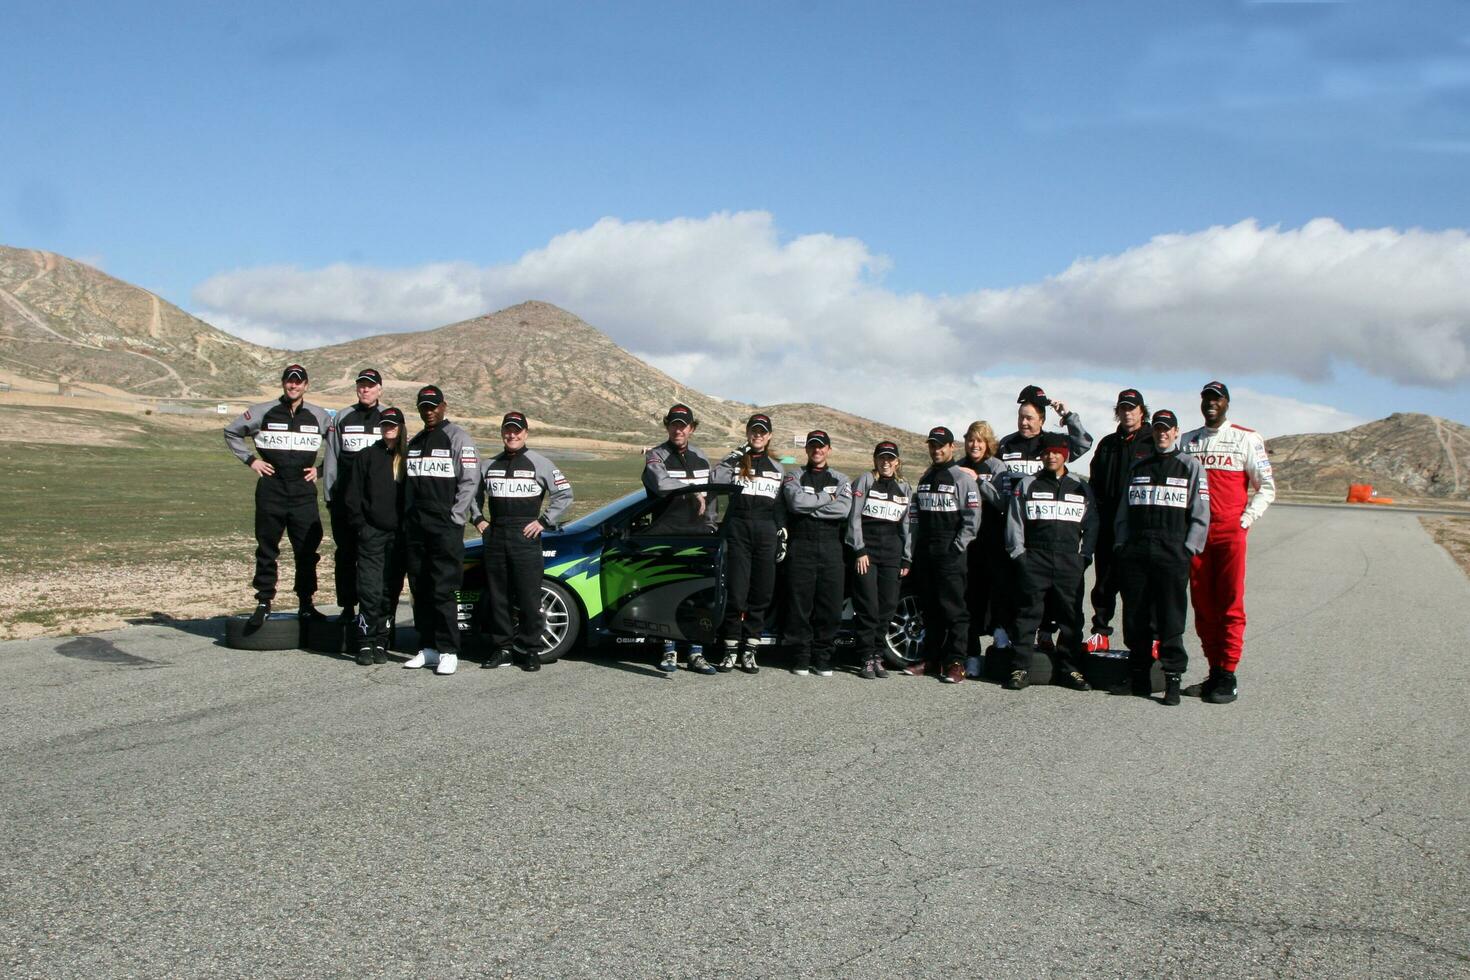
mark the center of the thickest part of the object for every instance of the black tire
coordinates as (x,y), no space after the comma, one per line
(280,631)
(998,665)
(327,635)
(904,639)
(561,617)
(1104,672)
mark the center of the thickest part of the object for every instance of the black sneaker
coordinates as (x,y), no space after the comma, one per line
(1204,687)
(699,665)
(1019,680)
(530,662)
(257,618)
(879,670)
(497,659)
(1171,689)
(1224,690)
(747,661)
(727,662)
(309,610)
(364,656)
(870,672)
(1075,681)
(380,655)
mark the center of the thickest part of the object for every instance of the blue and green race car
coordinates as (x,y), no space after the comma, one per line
(626,573)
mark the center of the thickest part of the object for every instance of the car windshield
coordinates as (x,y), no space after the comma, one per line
(604,512)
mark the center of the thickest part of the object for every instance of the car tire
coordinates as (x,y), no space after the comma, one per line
(904,639)
(327,635)
(1105,672)
(561,617)
(280,631)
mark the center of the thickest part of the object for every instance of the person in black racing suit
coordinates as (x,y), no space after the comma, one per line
(1114,456)
(879,537)
(355,429)
(751,531)
(947,515)
(817,500)
(372,504)
(287,433)
(668,467)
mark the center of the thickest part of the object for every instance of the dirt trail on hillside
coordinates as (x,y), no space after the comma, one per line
(1449,451)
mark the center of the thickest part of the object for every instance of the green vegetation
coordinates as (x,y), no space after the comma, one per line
(168,495)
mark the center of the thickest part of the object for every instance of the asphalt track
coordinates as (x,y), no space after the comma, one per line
(173,807)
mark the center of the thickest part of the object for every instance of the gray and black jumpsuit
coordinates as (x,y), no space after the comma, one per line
(947,517)
(355,430)
(878,527)
(1051,531)
(512,492)
(665,470)
(750,530)
(1162,524)
(817,503)
(289,441)
(443,475)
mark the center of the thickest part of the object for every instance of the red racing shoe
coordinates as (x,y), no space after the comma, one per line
(1097,643)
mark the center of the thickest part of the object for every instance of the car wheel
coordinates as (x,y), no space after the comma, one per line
(905,636)
(280,631)
(561,621)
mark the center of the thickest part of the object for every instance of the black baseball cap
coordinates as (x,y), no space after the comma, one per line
(679,413)
(886,448)
(1216,389)
(760,420)
(369,376)
(430,395)
(941,435)
(1165,419)
(1130,398)
(1056,442)
(293,372)
(391,416)
(1033,395)
(513,420)
(818,437)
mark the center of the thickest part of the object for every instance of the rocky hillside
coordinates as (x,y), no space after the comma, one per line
(1405,455)
(63,321)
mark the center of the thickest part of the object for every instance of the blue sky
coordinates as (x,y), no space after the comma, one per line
(269,166)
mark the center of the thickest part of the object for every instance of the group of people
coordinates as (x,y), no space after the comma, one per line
(997,535)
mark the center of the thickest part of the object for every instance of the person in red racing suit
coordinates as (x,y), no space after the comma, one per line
(1241,488)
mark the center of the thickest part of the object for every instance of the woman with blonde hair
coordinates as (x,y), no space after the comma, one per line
(878,537)
(987,553)
(751,542)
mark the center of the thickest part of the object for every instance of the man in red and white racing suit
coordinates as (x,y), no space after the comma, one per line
(1241,488)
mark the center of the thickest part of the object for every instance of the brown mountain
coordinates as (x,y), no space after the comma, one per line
(64,321)
(1406,455)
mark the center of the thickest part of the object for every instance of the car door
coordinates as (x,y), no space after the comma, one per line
(663,570)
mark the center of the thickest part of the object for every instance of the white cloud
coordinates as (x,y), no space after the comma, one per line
(726,304)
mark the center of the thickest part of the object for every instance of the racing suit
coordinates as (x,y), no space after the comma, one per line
(443,474)
(946,519)
(666,469)
(750,532)
(1160,525)
(988,565)
(1241,488)
(1051,531)
(371,504)
(817,503)
(1114,457)
(510,497)
(287,440)
(1021,456)
(878,527)
(356,429)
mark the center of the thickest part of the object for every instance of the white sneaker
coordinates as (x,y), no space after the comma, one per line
(427,657)
(824,673)
(972,667)
(448,664)
(801,672)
